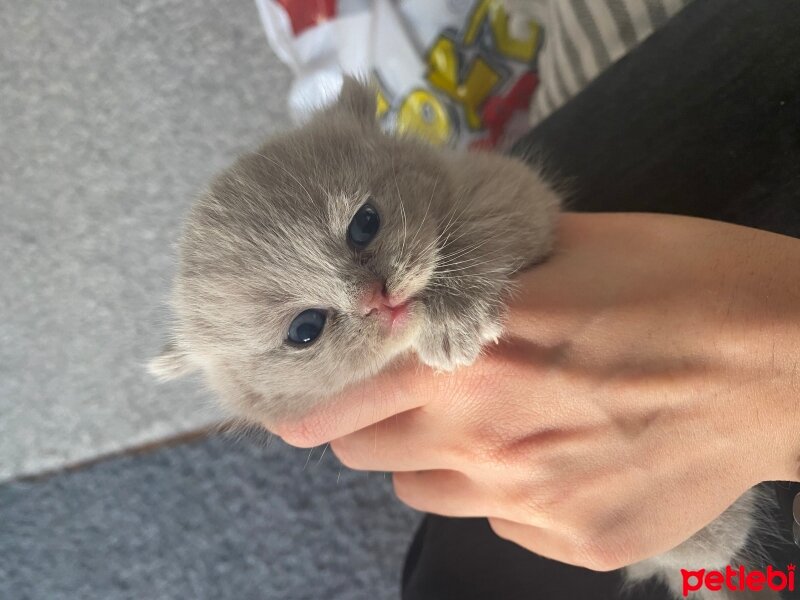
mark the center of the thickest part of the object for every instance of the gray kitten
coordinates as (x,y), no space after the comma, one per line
(310,264)
(313,262)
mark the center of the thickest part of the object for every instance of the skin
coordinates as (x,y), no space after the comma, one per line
(653,359)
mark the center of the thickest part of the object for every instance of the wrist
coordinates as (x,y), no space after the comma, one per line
(770,321)
(771,407)
(787,436)
(781,356)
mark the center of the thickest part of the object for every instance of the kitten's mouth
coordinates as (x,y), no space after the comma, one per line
(394,316)
(394,311)
(399,316)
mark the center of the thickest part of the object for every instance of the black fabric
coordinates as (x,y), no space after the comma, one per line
(786,492)
(702,119)
(462,559)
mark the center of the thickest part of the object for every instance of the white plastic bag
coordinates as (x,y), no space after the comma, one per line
(456,72)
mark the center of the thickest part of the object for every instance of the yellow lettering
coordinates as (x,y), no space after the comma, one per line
(475,21)
(507,45)
(511,47)
(424,115)
(443,73)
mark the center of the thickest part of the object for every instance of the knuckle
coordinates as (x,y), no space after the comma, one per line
(543,505)
(483,448)
(545,493)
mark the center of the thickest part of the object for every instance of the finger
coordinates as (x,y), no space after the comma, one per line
(403,386)
(415,440)
(444,492)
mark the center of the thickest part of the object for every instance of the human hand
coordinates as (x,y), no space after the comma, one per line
(647,378)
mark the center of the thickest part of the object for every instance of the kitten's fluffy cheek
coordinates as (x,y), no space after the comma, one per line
(411,280)
(283,388)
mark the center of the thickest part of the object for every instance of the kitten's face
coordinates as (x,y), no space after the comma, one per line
(301,268)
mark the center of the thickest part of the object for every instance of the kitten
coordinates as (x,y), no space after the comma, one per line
(310,264)
(313,262)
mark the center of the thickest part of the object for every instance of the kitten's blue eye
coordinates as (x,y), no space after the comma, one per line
(307,326)
(364,226)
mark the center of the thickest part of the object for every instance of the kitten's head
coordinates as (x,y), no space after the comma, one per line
(300,268)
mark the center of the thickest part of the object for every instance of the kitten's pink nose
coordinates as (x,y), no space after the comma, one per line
(373,298)
(376,299)
(391,311)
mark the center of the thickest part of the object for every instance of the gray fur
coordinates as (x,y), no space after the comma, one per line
(267,240)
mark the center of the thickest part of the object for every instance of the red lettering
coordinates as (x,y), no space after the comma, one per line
(739,579)
(714,581)
(771,575)
(730,575)
(755,581)
(687,585)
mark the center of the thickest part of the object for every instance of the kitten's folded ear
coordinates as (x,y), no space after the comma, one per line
(357,98)
(173,362)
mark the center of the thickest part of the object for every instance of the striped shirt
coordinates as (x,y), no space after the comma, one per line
(583,37)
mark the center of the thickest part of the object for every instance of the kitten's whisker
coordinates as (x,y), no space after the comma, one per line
(452,220)
(461,252)
(455,249)
(438,241)
(427,208)
(463,229)
(440,236)
(461,269)
(472,260)
(449,219)
(446,258)
(462,272)
(323,454)
(471,263)
(465,274)
(452,216)
(402,210)
(310,452)
(460,257)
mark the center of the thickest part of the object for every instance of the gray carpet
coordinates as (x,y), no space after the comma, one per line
(112,115)
(218,519)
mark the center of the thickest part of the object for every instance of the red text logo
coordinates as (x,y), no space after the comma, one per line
(738,580)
